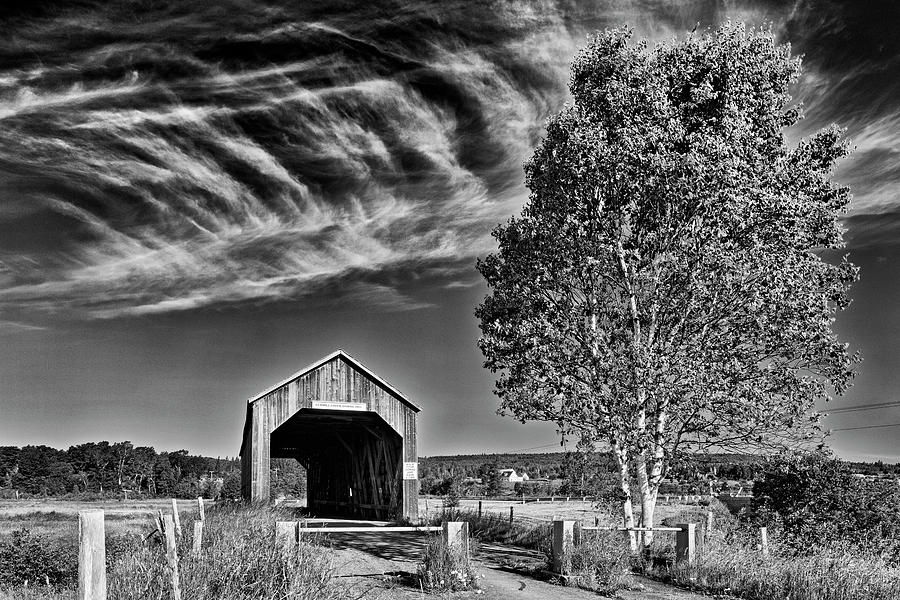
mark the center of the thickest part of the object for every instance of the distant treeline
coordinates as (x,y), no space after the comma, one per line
(117,469)
(593,473)
(557,465)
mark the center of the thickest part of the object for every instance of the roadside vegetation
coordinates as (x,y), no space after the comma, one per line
(447,569)
(239,561)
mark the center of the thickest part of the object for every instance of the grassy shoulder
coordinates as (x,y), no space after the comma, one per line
(239,560)
(729,562)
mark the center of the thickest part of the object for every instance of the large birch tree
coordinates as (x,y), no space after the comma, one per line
(664,289)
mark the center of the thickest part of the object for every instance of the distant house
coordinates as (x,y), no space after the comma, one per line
(511,476)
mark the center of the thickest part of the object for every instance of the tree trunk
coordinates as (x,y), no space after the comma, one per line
(625,482)
(648,499)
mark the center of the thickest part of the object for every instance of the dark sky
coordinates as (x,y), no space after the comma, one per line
(197,199)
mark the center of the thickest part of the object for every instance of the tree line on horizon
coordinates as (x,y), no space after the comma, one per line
(115,469)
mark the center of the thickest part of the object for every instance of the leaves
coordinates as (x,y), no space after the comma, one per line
(663,288)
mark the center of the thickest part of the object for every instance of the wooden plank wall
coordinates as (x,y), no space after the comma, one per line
(334,381)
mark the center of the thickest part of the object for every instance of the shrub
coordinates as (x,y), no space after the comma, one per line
(818,503)
(26,557)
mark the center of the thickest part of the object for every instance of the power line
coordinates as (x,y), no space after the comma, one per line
(532,448)
(866,427)
(861,407)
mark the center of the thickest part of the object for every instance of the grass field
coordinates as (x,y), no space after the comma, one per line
(59,518)
(574,510)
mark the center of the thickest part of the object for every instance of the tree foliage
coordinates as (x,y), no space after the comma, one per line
(663,288)
(818,502)
(104,468)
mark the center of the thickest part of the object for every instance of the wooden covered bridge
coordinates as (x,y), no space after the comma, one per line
(353,432)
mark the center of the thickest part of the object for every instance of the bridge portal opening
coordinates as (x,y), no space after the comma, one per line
(353,461)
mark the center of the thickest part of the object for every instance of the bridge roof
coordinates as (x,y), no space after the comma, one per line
(339,353)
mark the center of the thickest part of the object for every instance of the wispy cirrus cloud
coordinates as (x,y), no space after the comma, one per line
(190,164)
(156,160)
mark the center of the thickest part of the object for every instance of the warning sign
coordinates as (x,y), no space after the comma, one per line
(410,470)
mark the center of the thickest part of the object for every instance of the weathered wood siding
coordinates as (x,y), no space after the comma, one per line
(337,380)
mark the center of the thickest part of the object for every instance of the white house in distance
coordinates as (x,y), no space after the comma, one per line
(511,476)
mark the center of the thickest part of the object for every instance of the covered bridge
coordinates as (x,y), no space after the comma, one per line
(353,432)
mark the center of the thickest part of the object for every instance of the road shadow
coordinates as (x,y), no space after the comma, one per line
(404,547)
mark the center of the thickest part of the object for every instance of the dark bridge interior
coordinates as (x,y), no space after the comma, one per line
(353,461)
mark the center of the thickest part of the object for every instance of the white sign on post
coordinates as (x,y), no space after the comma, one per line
(410,470)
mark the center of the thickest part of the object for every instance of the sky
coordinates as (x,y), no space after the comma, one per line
(197,199)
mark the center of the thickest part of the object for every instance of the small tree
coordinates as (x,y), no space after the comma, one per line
(663,288)
(491,478)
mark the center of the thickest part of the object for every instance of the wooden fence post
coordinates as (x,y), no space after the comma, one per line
(510,514)
(198,537)
(91,555)
(200,508)
(456,536)
(176,517)
(686,544)
(523,498)
(479,509)
(764,540)
(172,555)
(287,534)
(563,540)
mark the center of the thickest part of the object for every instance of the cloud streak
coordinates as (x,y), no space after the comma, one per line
(178,158)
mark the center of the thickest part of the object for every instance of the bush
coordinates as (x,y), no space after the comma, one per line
(28,558)
(818,503)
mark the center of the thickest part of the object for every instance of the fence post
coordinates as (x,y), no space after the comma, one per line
(456,536)
(710,521)
(523,498)
(479,509)
(563,540)
(200,508)
(91,555)
(686,544)
(510,514)
(287,534)
(172,555)
(764,540)
(198,537)
(176,517)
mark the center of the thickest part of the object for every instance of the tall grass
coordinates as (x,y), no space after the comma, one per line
(601,562)
(496,528)
(446,569)
(239,561)
(735,566)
